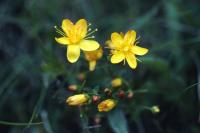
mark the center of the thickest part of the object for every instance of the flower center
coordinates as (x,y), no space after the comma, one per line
(125,49)
(74,36)
(74,39)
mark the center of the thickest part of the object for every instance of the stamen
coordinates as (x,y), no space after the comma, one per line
(59,31)
(124,62)
(137,42)
(138,60)
(138,38)
(90,37)
(91,32)
(89,24)
(89,29)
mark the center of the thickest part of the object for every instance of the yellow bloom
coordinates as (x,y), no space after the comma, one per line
(123,47)
(116,82)
(106,105)
(76,37)
(92,57)
(78,99)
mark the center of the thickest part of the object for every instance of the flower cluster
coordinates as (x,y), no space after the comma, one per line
(112,94)
(78,37)
(123,47)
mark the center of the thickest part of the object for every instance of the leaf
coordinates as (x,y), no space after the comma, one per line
(156,64)
(118,121)
(145,19)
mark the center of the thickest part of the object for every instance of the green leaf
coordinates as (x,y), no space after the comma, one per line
(156,63)
(146,18)
(118,121)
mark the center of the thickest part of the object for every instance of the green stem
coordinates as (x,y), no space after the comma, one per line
(18,124)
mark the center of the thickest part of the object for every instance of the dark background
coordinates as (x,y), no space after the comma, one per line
(34,72)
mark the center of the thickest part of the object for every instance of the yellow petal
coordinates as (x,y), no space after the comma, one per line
(131,60)
(62,40)
(117,57)
(73,53)
(89,45)
(81,28)
(109,43)
(139,50)
(116,38)
(67,26)
(130,37)
(92,65)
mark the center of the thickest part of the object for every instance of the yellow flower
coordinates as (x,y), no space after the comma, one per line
(75,37)
(116,82)
(78,99)
(106,105)
(123,47)
(92,57)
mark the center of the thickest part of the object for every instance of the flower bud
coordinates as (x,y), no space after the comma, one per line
(81,76)
(116,82)
(108,91)
(130,95)
(78,99)
(106,105)
(95,98)
(97,120)
(121,94)
(72,87)
(155,109)
(92,57)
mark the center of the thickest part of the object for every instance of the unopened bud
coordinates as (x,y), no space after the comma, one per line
(116,82)
(155,109)
(121,94)
(130,95)
(95,98)
(72,87)
(78,99)
(108,91)
(97,120)
(81,76)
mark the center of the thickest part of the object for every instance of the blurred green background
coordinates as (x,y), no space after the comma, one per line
(34,72)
